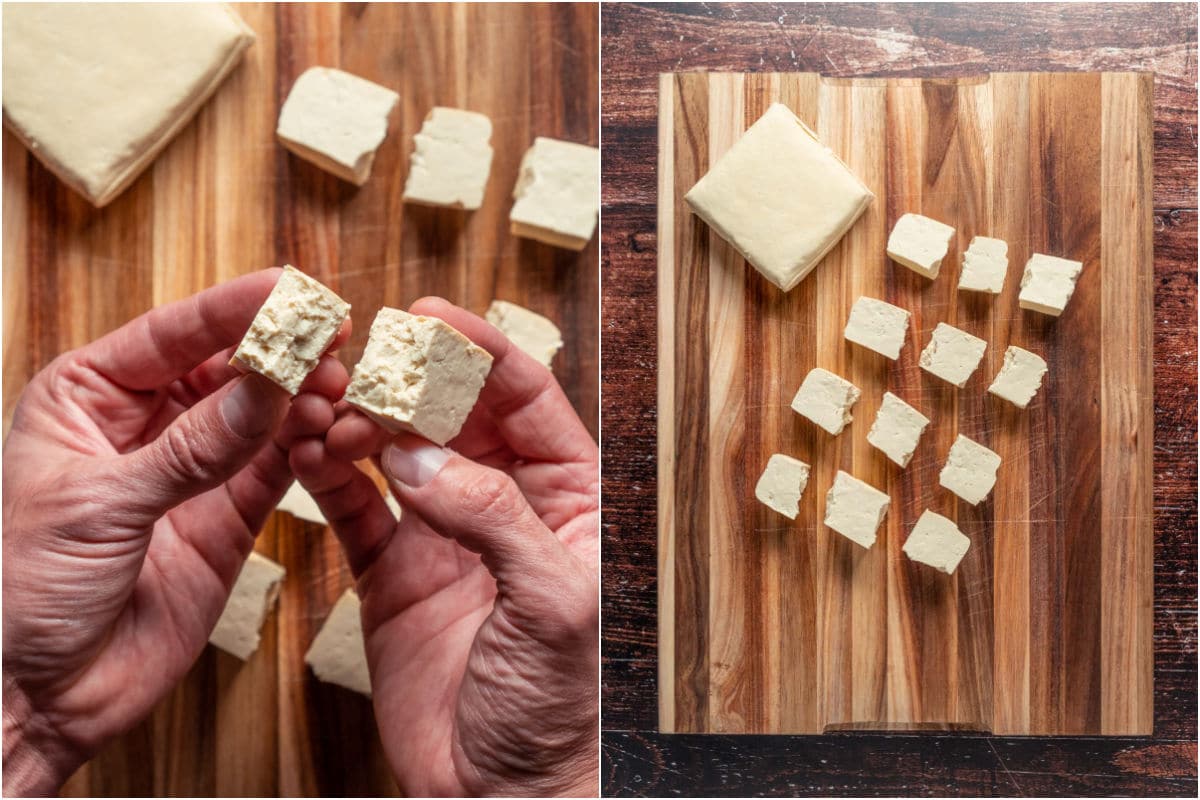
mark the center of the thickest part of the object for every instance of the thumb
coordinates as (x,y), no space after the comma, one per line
(205,446)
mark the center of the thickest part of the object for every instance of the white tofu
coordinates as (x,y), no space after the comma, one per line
(782,484)
(1020,377)
(937,542)
(854,509)
(780,197)
(338,653)
(300,504)
(897,429)
(878,326)
(1048,283)
(96,91)
(557,194)
(452,160)
(952,355)
(826,399)
(533,333)
(985,263)
(299,320)
(337,121)
(418,374)
(254,593)
(970,470)
(920,243)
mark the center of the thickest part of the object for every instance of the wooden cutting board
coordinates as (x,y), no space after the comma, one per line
(223,199)
(773,626)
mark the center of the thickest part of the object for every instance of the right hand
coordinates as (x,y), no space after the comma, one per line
(480,606)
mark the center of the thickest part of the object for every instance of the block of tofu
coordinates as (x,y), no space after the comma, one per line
(970,470)
(418,374)
(854,509)
(533,333)
(897,429)
(299,320)
(936,542)
(300,504)
(780,197)
(337,121)
(96,91)
(254,593)
(952,355)
(452,160)
(338,654)
(557,194)
(920,243)
(826,399)
(782,483)
(985,263)
(1019,377)
(1048,283)
(878,326)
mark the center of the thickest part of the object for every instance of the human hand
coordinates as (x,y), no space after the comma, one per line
(480,606)
(137,473)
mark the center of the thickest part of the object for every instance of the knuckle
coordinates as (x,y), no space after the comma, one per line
(494,496)
(183,457)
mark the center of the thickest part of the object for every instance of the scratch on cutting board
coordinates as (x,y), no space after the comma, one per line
(1007,772)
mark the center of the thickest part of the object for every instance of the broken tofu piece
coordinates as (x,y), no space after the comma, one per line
(854,509)
(952,355)
(557,194)
(878,326)
(936,542)
(452,160)
(826,399)
(338,654)
(970,470)
(782,484)
(1020,377)
(920,243)
(533,333)
(1048,283)
(254,593)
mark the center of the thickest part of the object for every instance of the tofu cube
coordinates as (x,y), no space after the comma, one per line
(984,266)
(937,542)
(418,374)
(298,321)
(557,194)
(452,159)
(301,505)
(782,484)
(952,355)
(826,399)
(920,243)
(533,333)
(878,326)
(897,429)
(970,470)
(1048,283)
(338,654)
(337,121)
(238,630)
(1020,377)
(854,509)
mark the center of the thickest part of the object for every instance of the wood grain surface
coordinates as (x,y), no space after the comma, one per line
(788,627)
(886,40)
(223,199)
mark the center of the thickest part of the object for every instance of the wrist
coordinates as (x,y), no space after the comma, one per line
(36,761)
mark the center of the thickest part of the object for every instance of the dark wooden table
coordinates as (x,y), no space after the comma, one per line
(638,42)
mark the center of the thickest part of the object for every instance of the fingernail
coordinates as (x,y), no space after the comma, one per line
(413,461)
(247,408)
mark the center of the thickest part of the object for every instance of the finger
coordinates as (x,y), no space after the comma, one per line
(343,336)
(169,341)
(204,446)
(310,415)
(354,436)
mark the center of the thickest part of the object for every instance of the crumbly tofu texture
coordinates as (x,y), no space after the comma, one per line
(338,653)
(533,333)
(96,91)
(952,355)
(985,264)
(826,399)
(780,197)
(1020,377)
(936,542)
(557,194)
(1048,283)
(238,630)
(970,470)
(920,243)
(854,509)
(452,160)
(897,429)
(418,374)
(878,326)
(298,321)
(782,483)
(337,121)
